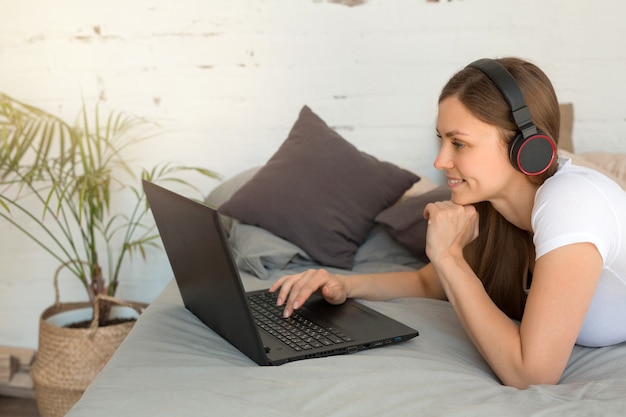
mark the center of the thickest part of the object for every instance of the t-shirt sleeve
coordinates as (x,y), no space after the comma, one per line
(573,209)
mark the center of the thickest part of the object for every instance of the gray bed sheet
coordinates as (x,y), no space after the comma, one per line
(173,365)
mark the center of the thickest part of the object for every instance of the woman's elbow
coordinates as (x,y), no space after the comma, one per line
(528,379)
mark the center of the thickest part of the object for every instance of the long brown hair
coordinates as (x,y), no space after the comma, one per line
(501,253)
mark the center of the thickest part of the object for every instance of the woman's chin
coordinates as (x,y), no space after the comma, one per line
(462,199)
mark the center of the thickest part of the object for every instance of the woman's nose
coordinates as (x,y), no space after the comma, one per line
(443,161)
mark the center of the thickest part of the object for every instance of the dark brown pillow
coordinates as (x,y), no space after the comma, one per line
(319,192)
(405,220)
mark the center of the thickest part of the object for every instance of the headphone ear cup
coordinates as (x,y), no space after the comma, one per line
(532,155)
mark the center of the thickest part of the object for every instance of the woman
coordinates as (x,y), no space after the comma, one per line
(562,225)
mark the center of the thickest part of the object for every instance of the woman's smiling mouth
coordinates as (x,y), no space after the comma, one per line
(454,181)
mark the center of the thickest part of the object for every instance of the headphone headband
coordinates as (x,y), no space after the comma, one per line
(511,92)
(530,152)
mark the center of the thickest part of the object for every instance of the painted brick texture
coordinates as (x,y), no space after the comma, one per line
(226,79)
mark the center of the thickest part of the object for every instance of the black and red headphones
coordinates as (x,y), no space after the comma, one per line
(531,151)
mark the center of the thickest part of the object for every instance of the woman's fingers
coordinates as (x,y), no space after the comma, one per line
(450,227)
(296,289)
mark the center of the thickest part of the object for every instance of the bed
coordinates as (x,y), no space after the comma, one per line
(173,365)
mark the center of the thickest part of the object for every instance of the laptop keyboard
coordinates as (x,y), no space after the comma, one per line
(296,331)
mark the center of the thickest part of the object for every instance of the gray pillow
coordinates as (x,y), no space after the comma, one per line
(223,192)
(261,253)
(319,192)
(405,220)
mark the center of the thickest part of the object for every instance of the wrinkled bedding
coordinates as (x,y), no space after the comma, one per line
(173,365)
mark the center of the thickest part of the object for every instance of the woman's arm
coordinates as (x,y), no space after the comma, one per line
(296,289)
(564,280)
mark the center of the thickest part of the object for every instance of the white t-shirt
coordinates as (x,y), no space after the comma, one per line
(577,205)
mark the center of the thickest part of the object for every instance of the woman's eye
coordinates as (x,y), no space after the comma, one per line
(453,142)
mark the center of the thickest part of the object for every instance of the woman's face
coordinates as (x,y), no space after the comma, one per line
(473,155)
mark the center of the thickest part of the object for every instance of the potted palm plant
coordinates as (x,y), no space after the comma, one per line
(57,184)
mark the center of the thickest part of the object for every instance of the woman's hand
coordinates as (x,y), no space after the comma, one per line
(296,289)
(450,228)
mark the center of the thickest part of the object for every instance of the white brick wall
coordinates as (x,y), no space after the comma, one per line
(227,78)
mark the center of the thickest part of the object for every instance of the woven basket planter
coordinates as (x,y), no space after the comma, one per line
(69,358)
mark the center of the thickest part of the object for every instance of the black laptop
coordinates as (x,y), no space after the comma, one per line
(211,288)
